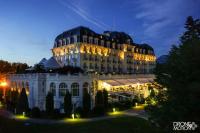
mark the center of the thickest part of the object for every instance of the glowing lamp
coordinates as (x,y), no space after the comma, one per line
(3,84)
(23,114)
(73,116)
(114,110)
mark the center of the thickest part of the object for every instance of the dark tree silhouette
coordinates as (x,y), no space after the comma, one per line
(86,102)
(105,98)
(178,98)
(49,103)
(22,104)
(99,99)
(68,103)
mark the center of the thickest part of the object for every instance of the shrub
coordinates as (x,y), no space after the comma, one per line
(22,104)
(79,112)
(35,112)
(98,111)
(49,103)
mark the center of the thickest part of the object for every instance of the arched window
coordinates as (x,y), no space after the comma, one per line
(85,87)
(75,89)
(53,88)
(62,89)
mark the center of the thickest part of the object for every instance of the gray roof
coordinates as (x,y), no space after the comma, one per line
(43,61)
(51,63)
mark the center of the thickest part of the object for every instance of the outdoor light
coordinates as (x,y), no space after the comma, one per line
(3,84)
(24,114)
(73,116)
(136,104)
(114,110)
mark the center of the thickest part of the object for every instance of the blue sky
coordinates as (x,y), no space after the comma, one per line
(28,27)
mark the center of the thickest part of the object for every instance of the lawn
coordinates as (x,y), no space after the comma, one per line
(115,125)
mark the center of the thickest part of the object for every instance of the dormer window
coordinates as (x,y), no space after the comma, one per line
(68,40)
(143,51)
(90,40)
(75,39)
(96,41)
(60,42)
(128,41)
(72,39)
(64,41)
(102,42)
(113,45)
(85,39)
(108,44)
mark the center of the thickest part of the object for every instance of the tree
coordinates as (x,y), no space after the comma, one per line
(49,103)
(68,103)
(105,98)
(22,104)
(99,108)
(99,99)
(178,97)
(86,102)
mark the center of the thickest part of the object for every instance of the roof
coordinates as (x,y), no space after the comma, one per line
(112,36)
(52,63)
(122,82)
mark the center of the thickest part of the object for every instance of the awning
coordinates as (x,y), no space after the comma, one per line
(126,82)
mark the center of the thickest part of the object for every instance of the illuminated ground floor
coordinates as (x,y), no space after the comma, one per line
(37,85)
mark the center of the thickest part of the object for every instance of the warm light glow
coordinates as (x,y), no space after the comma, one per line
(3,84)
(114,110)
(73,116)
(139,107)
(77,120)
(115,113)
(21,117)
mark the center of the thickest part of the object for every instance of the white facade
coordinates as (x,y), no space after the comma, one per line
(39,84)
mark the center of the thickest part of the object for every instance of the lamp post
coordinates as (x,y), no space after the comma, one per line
(3,84)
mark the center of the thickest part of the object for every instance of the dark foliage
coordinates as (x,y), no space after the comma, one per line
(86,102)
(180,75)
(7,67)
(68,103)
(35,112)
(68,70)
(105,98)
(22,104)
(49,103)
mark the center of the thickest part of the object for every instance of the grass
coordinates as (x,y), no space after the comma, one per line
(115,125)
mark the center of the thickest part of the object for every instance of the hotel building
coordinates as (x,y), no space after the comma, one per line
(110,61)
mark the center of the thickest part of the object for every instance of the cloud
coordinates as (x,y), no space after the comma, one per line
(83,14)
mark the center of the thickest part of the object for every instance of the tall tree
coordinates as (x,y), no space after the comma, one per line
(22,104)
(178,99)
(86,101)
(99,99)
(49,103)
(68,103)
(105,98)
